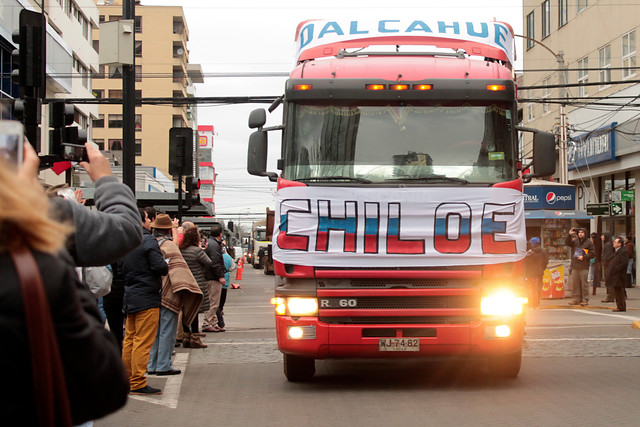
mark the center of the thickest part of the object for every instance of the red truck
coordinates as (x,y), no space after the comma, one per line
(399,227)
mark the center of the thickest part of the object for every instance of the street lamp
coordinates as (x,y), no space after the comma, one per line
(563,169)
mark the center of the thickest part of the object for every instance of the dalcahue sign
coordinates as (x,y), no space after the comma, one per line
(400,227)
(497,36)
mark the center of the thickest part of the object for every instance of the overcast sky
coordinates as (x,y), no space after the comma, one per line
(257,36)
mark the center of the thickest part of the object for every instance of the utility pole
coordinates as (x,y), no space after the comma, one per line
(129,109)
(563,162)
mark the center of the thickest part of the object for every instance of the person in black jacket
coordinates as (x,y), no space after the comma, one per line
(582,250)
(143,270)
(534,265)
(95,377)
(215,278)
(607,252)
(616,273)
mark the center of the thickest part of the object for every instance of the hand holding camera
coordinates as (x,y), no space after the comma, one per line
(97,165)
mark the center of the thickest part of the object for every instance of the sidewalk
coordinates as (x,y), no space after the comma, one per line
(633,301)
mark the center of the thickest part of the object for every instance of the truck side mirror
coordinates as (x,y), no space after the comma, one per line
(544,154)
(257,118)
(257,155)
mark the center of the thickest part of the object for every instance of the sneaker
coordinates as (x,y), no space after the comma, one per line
(584,303)
(574,303)
(146,390)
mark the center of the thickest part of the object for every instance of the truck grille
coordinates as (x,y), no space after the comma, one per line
(400,320)
(394,283)
(403,302)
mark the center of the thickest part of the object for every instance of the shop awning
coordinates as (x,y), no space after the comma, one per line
(550,214)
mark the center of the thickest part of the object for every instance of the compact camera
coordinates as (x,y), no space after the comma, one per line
(12,141)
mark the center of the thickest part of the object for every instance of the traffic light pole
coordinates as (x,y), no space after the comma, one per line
(129,111)
(180,198)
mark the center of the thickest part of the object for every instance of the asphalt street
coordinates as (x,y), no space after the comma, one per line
(580,367)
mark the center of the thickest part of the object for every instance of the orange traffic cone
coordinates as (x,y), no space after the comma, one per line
(239,269)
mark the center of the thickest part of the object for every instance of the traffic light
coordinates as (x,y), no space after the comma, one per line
(181,151)
(192,190)
(29,58)
(65,141)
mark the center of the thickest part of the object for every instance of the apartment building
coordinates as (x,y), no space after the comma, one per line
(162,71)
(582,54)
(71,58)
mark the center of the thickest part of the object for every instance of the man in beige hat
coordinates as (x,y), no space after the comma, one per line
(180,292)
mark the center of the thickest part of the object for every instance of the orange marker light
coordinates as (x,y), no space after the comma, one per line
(496,87)
(375,87)
(398,87)
(302,87)
(422,87)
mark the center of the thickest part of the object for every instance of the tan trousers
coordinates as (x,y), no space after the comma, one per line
(210,317)
(140,333)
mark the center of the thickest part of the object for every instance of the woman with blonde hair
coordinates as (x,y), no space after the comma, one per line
(198,261)
(89,379)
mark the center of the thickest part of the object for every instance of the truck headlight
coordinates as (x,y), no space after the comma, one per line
(503,302)
(296,306)
(302,306)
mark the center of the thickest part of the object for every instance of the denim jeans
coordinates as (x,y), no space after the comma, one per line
(160,356)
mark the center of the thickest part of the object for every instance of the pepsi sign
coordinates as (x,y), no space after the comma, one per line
(555,197)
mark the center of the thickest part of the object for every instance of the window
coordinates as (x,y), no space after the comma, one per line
(178,50)
(138,73)
(138,24)
(80,119)
(604,63)
(82,70)
(546,18)
(530,116)
(98,93)
(531,34)
(96,45)
(99,122)
(115,18)
(563,12)
(99,143)
(138,121)
(115,93)
(138,48)
(177,94)
(178,75)
(628,54)
(101,18)
(546,94)
(178,122)
(583,76)
(115,120)
(582,5)
(178,25)
(138,147)
(115,144)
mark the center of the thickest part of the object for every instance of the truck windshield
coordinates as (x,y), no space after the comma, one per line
(260,235)
(385,144)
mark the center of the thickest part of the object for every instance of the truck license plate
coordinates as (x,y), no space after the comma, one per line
(399,344)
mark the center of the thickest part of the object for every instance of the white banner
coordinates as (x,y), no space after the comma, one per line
(316,33)
(398,227)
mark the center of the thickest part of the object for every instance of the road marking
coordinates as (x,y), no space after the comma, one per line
(270,342)
(595,313)
(171,391)
(584,339)
(606,325)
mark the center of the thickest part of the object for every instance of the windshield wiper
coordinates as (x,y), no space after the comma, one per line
(335,178)
(432,178)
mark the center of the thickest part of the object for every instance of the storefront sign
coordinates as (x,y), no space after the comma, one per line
(622,196)
(598,208)
(549,197)
(406,227)
(591,148)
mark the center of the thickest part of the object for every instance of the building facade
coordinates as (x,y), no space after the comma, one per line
(580,59)
(70,60)
(162,71)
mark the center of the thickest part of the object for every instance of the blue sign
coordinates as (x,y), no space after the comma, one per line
(555,197)
(594,147)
